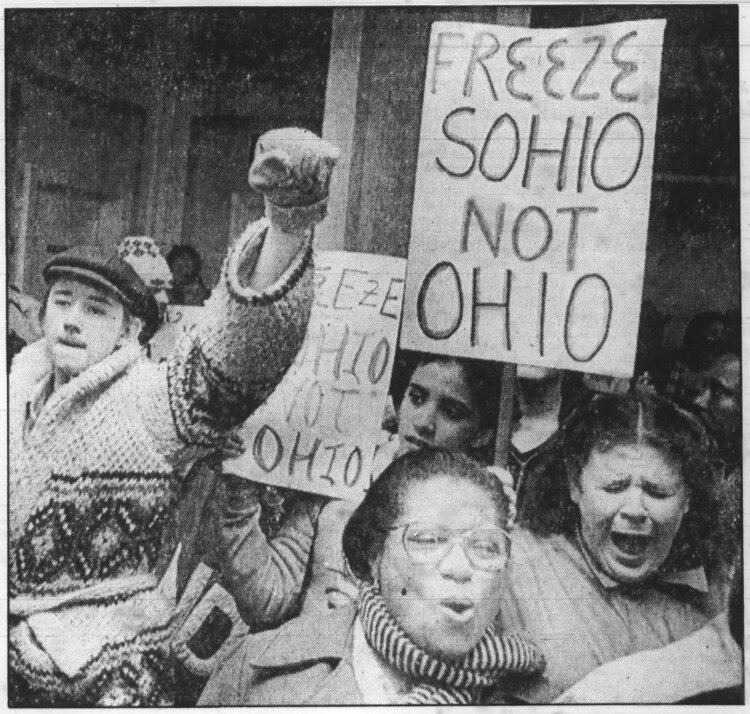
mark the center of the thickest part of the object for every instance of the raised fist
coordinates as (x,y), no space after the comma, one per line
(292,167)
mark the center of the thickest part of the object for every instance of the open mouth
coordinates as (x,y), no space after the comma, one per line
(634,544)
(459,610)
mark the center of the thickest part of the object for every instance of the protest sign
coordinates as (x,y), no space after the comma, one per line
(177,320)
(317,432)
(532,194)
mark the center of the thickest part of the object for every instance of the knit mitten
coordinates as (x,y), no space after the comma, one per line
(292,169)
(238,499)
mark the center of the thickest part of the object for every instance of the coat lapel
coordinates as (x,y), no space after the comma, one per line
(340,687)
(305,639)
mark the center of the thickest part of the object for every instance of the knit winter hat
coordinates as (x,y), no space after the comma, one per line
(110,271)
(144,256)
(292,169)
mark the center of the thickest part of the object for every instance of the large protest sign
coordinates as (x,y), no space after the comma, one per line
(318,430)
(532,194)
(177,320)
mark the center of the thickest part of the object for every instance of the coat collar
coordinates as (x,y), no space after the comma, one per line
(37,448)
(308,638)
(32,368)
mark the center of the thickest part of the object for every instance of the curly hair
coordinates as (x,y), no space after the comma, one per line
(637,418)
(366,531)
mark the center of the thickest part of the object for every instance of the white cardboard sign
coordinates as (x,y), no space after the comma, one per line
(317,432)
(533,185)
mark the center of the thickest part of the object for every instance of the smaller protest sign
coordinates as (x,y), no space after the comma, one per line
(178,320)
(317,432)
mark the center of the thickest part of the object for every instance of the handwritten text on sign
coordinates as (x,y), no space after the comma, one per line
(532,194)
(318,430)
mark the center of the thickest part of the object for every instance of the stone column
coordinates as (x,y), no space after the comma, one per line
(373,112)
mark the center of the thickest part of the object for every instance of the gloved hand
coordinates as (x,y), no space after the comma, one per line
(292,169)
(238,499)
(233,446)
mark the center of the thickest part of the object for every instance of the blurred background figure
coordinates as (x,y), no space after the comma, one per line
(24,325)
(720,404)
(544,398)
(540,400)
(188,287)
(144,256)
(536,420)
(706,338)
(720,407)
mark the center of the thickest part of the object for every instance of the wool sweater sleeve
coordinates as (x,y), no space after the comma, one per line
(265,575)
(231,361)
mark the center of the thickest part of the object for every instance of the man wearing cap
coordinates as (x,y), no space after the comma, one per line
(97,432)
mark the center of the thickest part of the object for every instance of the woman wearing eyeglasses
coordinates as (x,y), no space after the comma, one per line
(448,403)
(429,545)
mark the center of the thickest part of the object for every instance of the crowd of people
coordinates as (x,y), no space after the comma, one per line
(611,542)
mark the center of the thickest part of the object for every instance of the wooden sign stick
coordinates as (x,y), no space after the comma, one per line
(505,414)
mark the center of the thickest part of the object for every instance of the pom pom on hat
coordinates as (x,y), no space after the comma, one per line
(144,256)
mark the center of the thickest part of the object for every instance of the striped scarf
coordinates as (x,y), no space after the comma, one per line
(441,681)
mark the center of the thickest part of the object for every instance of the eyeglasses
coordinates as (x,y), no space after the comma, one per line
(487,549)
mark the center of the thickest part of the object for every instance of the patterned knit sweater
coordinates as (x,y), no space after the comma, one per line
(92,480)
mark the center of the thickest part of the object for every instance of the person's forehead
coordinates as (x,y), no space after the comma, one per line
(448,377)
(448,500)
(80,288)
(630,460)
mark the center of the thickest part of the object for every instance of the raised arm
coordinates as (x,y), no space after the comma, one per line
(265,575)
(255,320)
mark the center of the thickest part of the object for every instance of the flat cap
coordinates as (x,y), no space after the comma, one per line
(91,263)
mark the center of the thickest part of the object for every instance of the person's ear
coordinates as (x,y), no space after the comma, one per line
(482,439)
(686,506)
(574,487)
(131,328)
